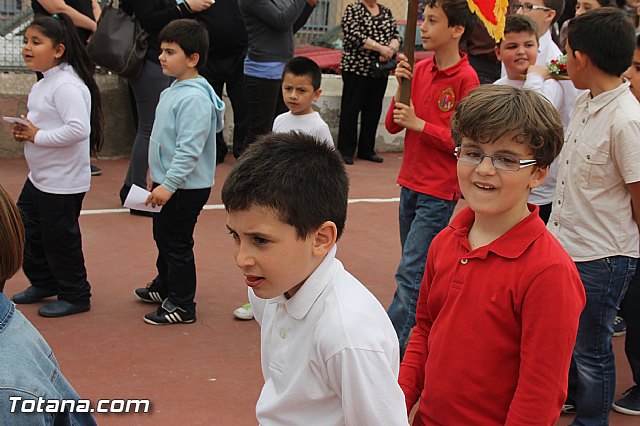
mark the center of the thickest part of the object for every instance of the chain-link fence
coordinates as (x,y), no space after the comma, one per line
(15,15)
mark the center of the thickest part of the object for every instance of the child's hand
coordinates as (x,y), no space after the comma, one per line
(158,197)
(403,69)
(23,133)
(539,69)
(405,116)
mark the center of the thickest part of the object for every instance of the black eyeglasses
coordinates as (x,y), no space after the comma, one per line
(526,7)
(501,161)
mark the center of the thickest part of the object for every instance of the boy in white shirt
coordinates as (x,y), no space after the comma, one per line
(300,88)
(518,52)
(329,353)
(596,208)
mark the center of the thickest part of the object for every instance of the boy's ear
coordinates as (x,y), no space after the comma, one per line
(497,50)
(551,14)
(457,31)
(538,176)
(317,94)
(193,59)
(582,59)
(324,238)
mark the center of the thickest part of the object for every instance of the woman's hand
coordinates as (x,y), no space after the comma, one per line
(386,53)
(199,5)
(23,133)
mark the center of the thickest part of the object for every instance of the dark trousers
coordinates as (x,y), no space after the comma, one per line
(229,71)
(173,232)
(265,103)
(146,90)
(360,96)
(631,313)
(53,256)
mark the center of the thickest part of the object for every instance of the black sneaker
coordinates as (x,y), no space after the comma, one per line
(168,313)
(568,408)
(630,403)
(148,295)
(619,326)
(95,170)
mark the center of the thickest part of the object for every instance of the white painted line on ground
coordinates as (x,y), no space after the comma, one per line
(221,207)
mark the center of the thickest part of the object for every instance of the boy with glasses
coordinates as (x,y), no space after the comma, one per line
(500,300)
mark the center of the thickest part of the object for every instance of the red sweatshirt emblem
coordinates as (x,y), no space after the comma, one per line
(446,100)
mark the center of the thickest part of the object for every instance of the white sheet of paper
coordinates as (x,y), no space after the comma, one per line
(15,120)
(136,198)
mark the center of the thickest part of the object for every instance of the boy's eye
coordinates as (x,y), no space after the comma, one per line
(507,159)
(260,241)
(472,153)
(233,234)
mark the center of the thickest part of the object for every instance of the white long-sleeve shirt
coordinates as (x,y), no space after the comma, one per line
(329,355)
(60,106)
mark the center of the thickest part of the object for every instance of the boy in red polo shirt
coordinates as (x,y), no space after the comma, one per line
(429,188)
(500,303)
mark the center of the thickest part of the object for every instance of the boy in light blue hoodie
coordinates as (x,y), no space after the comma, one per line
(182,158)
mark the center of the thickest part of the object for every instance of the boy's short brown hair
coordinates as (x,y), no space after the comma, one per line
(491,112)
(11,238)
(520,24)
(457,12)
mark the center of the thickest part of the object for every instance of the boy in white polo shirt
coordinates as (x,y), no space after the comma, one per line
(598,197)
(330,355)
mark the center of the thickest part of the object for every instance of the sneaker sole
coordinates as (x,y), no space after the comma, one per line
(626,411)
(146,300)
(148,321)
(620,333)
(243,317)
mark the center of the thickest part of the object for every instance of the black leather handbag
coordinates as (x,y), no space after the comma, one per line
(119,43)
(383,69)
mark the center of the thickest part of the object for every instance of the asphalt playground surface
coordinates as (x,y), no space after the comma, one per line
(206,373)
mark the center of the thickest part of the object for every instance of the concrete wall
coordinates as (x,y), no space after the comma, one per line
(119,127)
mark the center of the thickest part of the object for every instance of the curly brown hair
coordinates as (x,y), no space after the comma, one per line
(492,112)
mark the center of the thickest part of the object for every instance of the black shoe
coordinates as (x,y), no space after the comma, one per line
(168,313)
(630,403)
(140,213)
(347,159)
(619,326)
(95,170)
(62,308)
(124,191)
(375,158)
(32,295)
(148,294)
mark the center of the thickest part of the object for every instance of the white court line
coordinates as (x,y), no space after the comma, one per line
(221,207)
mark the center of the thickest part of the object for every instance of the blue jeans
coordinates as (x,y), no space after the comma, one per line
(422,217)
(594,376)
